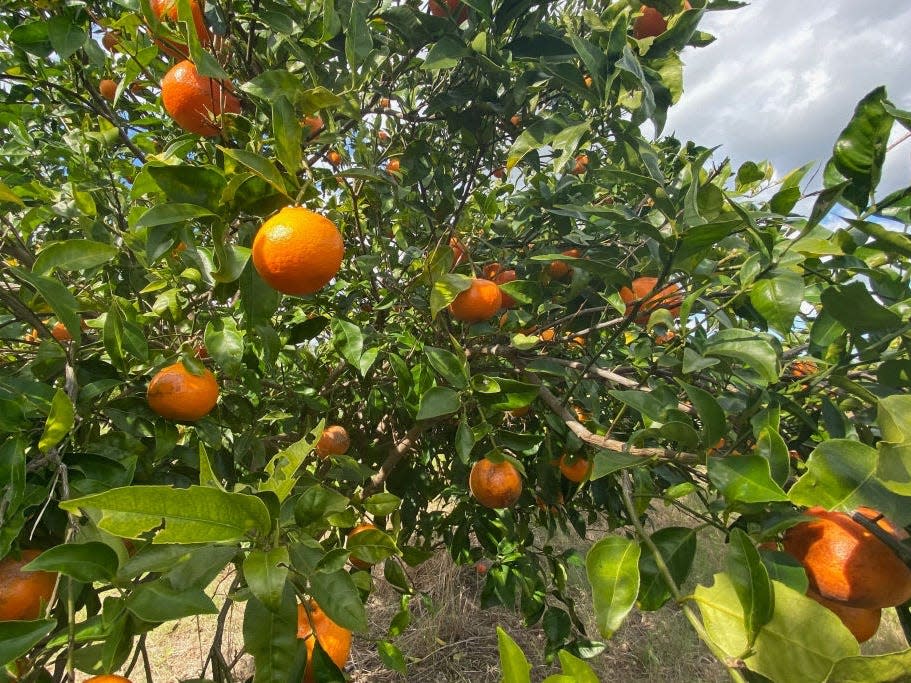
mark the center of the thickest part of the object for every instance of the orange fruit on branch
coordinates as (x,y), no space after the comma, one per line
(846,562)
(108,89)
(651,23)
(576,470)
(178,394)
(298,251)
(333,441)
(110,41)
(458,251)
(194,101)
(357,562)
(803,368)
(23,594)
(334,157)
(334,639)
(479,302)
(313,124)
(107,678)
(669,297)
(496,273)
(495,485)
(862,622)
(393,165)
(384,102)
(560,269)
(516,120)
(60,333)
(166,10)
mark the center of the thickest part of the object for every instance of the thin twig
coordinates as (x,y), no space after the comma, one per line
(396,453)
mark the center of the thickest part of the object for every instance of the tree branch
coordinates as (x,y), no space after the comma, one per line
(396,453)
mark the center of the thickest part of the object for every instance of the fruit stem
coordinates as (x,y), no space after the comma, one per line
(626,489)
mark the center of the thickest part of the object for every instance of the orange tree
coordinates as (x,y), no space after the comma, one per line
(760,372)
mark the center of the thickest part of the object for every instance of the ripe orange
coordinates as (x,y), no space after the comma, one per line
(576,470)
(651,23)
(516,120)
(495,485)
(193,101)
(666,338)
(334,441)
(383,136)
(60,333)
(393,165)
(845,562)
(23,594)
(167,10)
(496,273)
(458,251)
(334,157)
(110,41)
(578,341)
(670,298)
(548,334)
(334,639)
(360,564)
(499,172)
(860,621)
(582,415)
(384,102)
(588,81)
(108,678)
(313,124)
(178,394)
(559,269)
(108,89)
(437,10)
(882,522)
(520,412)
(803,368)
(298,251)
(479,302)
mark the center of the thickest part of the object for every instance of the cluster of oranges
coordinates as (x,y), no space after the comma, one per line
(851,571)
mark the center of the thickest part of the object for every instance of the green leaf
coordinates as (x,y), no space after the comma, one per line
(157,602)
(453,369)
(612,567)
(184,184)
(85,562)
(771,446)
(271,637)
(73,255)
(192,515)
(860,151)
(751,582)
(65,35)
(283,466)
(338,597)
(778,298)
(348,340)
(58,297)
(812,636)
(884,668)
(271,85)
(744,479)
(854,307)
(260,165)
(8,196)
(677,546)
(513,663)
(754,349)
(464,441)
(60,421)
(608,462)
(446,54)
(18,637)
(539,134)
(371,546)
(171,213)
(576,669)
(841,474)
(286,129)
(317,503)
(711,414)
(266,573)
(358,41)
(382,504)
(438,401)
(392,657)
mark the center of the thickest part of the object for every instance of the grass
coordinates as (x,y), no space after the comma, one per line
(451,640)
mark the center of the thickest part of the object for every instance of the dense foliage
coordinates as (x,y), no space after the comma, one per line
(772,376)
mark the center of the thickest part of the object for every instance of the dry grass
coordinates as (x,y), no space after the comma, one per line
(452,640)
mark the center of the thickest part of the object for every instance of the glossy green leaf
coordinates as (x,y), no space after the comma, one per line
(450,367)
(197,185)
(260,165)
(438,401)
(612,568)
(18,637)
(192,515)
(514,666)
(287,131)
(753,349)
(751,582)
(778,298)
(854,307)
(271,637)
(60,421)
(348,339)
(85,562)
(73,255)
(884,668)
(677,546)
(446,289)
(392,657)
(157,602)
(266,573)
(281,470)
(338,597)
(171,213)
(744,479)
(58,297)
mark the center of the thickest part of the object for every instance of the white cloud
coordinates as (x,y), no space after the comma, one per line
(783,78)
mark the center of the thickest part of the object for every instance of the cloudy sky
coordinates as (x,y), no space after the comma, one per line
(783,77)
